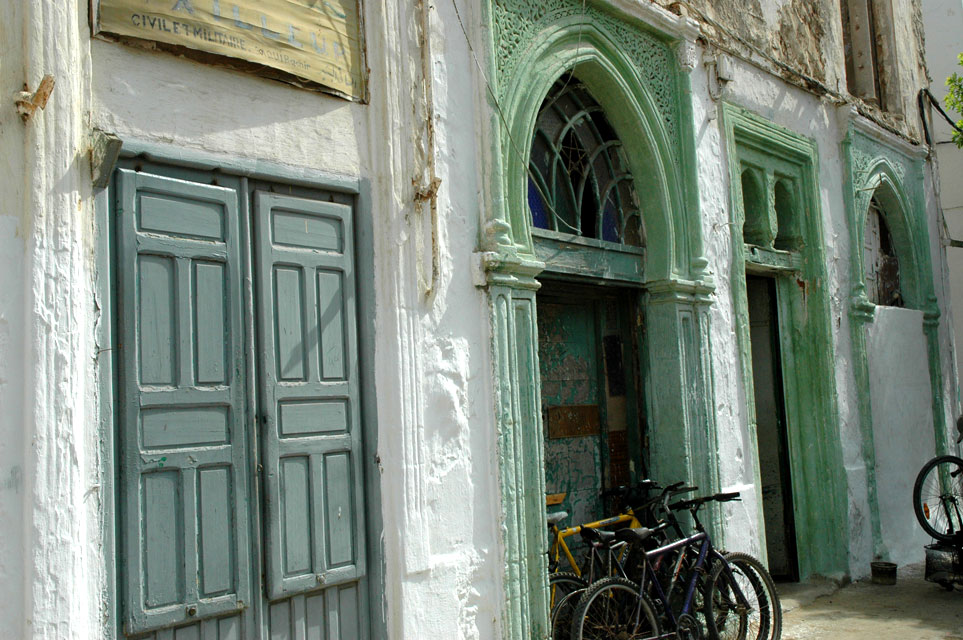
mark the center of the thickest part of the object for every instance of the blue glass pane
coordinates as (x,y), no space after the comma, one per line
(610,223)
(537,205)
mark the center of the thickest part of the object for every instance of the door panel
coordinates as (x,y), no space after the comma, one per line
(184,451)
(311,425)
(771,434)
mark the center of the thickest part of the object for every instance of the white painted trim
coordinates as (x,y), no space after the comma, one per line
(681,27)
(848,114)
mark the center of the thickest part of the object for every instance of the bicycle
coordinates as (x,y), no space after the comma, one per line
(605,552)
(938,496)
(559,546)
(617,607)
(566,587)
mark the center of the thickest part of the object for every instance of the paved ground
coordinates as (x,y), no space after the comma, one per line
(913,609)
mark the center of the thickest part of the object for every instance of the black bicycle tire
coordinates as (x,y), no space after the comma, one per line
(720,612)
(563,577)
(919,508)
(597,589)
(562,614)
(747,563)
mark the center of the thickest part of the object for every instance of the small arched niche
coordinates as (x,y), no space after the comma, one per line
(756,227)
(788,237)
(881,264)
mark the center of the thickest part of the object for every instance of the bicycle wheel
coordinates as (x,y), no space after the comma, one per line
(614,608)
(730,607)
(764,618)
(938,497)
(560,584)
(562,614)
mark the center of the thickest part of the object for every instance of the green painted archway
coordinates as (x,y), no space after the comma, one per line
(635,74)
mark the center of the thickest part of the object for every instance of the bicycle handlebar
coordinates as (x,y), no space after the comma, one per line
(695,503)
(623,489)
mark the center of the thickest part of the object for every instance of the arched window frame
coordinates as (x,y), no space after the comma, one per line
(566,192)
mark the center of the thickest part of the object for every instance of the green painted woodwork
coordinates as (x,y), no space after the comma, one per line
(184,447)
(310,424)
(520,452)
(634,74)
(568,359)
(587,258)
(577,337)
(894,176)
(678,389)
(773,154)
(188,456)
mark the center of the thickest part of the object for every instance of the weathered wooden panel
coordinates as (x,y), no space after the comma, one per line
(166,428)
(307,231)
(170,214)
(212,629)
(296,515)
(313,417)
(162,522)
(570,370)
(288,316)
(211,342)
(338,481)
(569,421)
(313,487)
(216,564)
(156,310)
(330,302)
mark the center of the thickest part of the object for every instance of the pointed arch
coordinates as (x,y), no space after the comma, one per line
(882,183)
(587,52)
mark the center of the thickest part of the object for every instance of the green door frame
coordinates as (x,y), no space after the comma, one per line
(639,76)
(878,164)
(805,329)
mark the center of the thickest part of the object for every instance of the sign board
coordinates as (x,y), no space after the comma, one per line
(318,40)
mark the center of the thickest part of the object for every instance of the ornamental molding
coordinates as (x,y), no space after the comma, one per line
(517,25)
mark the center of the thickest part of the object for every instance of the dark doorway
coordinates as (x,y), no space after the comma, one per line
(771,428)
(590,402)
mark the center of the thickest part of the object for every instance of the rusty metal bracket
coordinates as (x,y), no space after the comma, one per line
(27,102)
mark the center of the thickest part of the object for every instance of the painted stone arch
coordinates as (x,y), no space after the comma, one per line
(882,183)
(883,167)
(587,52)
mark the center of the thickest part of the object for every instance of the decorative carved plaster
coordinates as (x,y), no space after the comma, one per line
(517,23)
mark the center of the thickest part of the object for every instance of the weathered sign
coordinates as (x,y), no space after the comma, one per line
(318,40)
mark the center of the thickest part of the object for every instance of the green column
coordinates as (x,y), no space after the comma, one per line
(511,288)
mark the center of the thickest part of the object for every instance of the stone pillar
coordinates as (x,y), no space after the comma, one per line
(62,581)
(511,287)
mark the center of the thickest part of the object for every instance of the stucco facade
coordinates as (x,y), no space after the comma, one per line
(448,272)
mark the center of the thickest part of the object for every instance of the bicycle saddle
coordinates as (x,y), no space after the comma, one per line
(556,517)
(634,536)
(597,535)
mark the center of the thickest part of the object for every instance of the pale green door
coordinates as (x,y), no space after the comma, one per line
(240,478)
(183,442)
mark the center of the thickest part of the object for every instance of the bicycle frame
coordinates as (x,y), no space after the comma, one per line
(706,550)
(560,546)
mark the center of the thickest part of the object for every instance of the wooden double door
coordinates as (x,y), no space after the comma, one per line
(240,487)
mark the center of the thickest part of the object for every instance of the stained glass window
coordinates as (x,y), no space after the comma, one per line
(579,181)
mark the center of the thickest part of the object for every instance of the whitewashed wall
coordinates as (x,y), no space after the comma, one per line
(902,401)
(14,225)
(434,397)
